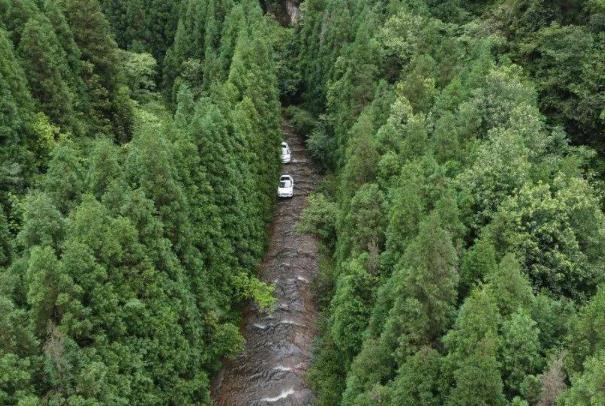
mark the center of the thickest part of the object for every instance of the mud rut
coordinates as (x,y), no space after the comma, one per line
(272,369)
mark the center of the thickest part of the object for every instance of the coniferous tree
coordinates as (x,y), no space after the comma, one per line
(418,380)
(108,109)
(472,352)
(478,262)
(14,15)
(65,37)
(43,224)
(65,177)
(16,135)
(509,287)
(587,389)
(350,309)
(44,62)
(586,336)
(455,111)
(519,351)
(423,296)
(450,130)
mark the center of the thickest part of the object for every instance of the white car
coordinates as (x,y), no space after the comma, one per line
(286,186)
(286,155)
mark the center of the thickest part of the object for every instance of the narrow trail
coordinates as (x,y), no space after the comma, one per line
(272,369)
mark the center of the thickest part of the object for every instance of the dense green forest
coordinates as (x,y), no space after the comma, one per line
(462,217)
(139,152)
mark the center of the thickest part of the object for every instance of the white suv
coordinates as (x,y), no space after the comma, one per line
(286,186)
(285,153)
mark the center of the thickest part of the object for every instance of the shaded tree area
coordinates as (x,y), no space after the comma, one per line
(561,46)
(72,67)
(463,214)
(131,228)
(143,25)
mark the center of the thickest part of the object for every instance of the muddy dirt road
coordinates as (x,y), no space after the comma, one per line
(272,369)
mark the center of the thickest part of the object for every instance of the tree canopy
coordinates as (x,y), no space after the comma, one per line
(131,225)
(463,139)
(461,216)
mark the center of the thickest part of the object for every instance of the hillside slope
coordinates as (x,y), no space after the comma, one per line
(463,212)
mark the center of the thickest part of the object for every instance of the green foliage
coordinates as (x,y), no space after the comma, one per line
(509,287)
(43,225)
(556,231)
(472,357)
(432,278)
(44,61)
(107,110)
(446,113)
(586,336)
(350,309)
(319,218)
(365,217)
(64,178)
(17,109)
(321,147)
(479,261)
(140,71)
(567,63)
(328,373)
(463,228)
(587,389)
(303,121)
(418,380)
(15,15)
(416,305)
(519,351)
(409,202)
(143,25)
(251,288)
(129,238)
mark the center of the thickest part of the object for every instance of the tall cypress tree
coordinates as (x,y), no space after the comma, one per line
(16,135)
(44,61)
(107,105)
(15,14)
(471,359)
(73,75)
(188,43)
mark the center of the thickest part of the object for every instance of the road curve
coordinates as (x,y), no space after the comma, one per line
(272,369)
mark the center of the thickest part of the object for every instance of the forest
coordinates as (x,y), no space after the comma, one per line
(462,214)
(138,164)
(460,218)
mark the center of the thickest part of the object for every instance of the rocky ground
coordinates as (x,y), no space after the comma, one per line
(272,369)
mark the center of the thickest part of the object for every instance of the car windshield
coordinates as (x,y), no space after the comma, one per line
(284,183)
